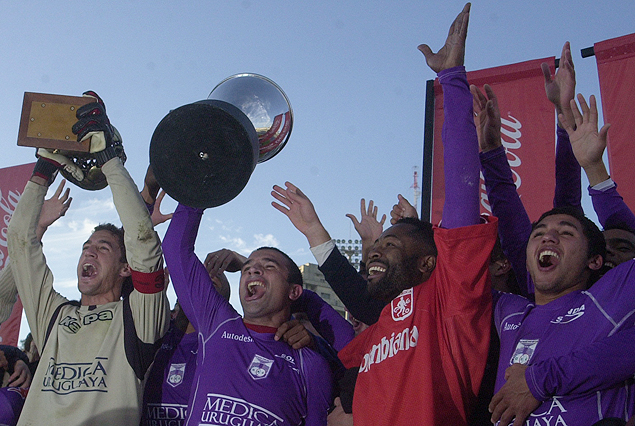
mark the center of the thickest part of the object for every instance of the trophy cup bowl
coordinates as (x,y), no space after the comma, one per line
(266,105)
(204,153)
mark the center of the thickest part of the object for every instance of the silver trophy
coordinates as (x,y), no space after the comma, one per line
(204,153)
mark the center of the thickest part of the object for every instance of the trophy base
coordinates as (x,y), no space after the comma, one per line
(47,122)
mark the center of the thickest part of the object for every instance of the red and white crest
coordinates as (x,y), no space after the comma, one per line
(401,306)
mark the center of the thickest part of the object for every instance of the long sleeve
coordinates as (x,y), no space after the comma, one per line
(351,288)
(143,246)
(611,208)
(196,293)
(460,151)
(149,305)
(330,324)
(514,224)
(33,278)
(8,292)
(577,372)
(568,192)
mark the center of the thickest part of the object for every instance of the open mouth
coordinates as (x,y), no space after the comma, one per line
(548,259)
(88,270)
(255,290)
(375,270)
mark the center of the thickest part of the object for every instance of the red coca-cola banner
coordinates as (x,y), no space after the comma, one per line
(12,181)
(616,69)
(528,134)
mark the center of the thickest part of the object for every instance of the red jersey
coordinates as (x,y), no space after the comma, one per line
(423,361)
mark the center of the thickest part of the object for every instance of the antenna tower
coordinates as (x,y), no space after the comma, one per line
(416,189)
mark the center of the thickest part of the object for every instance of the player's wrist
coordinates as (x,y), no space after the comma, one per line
(45,169)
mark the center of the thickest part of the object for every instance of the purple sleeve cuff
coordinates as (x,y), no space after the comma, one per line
(460,151)
(611,209)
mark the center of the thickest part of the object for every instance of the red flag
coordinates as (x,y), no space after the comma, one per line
(616,69)
(528,134)
(12,181)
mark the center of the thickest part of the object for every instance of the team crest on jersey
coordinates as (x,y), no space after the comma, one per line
(524,351)
(259,367)
(401,306)
(176,374)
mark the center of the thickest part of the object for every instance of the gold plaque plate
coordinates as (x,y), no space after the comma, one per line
(47,122)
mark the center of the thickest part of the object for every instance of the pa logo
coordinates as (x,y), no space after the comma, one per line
(259,367)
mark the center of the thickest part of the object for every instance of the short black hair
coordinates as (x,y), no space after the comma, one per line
(423,232)
(295,276)
(622,226)
(117,233)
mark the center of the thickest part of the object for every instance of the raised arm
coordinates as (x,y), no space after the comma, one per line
(192,283)
(588,146)
(27,270)
(514,224)
(52,209)
(460,149)
(560,90)
(347,283)
(148,304)
(153,196)
(368,227)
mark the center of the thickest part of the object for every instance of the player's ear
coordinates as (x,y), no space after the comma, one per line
(295,291)
(125,271)
(426,264)
(595,262)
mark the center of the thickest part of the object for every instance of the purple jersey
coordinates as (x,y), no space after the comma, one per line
(11,402)
(167,389)
(531,334)
(242,377)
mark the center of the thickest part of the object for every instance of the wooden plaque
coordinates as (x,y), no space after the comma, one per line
(47,122)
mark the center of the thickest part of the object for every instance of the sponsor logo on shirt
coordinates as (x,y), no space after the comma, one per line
(237,337)
(551,416)
(259,367)
(165,415)
(524,351)
(572,315)
(226,410)
(64,378)
(401,306)
(389,347)
(290,360)
(176,374)
(72,324)
(510,327)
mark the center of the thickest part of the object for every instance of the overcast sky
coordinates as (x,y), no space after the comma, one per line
(350,68)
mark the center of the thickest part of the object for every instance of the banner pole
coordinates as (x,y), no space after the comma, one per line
(428,145)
